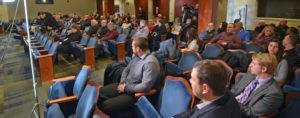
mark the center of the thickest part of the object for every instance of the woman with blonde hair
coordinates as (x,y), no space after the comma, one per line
(266,35)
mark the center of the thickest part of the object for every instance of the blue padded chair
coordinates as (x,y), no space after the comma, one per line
(238,78)
(253,47)
(295,86)
(91,44)
(167,105)
(43,43)
(84,40)
(228,70)
(84,108)
(117,47)
(62,34)
(126,31)
(132,33)
(119,30)
(292,110)
(86,28)
(185,64)
(238,52)
(212,51)
(52,51)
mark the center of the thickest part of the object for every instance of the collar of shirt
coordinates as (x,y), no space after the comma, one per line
(143,56)
(203,104)
(261,82)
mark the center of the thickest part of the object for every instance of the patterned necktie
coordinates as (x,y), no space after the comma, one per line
(247,91)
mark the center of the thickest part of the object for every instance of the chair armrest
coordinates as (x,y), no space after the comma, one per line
(173,60)
(270,115)
(39,46)
(137,95)
(61,100)
(281,84)
(81,44)
(64,79)
(100,113)
(89,48)
(186,72)
(44,50)
(119,43)
(76,41)
(44,56)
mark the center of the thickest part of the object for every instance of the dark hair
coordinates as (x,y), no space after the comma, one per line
(224,27)
(280,48)
(141,42)
(294,30)
(294,39)
(212,73)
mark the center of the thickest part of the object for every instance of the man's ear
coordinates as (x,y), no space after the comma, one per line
(264,69)
(205,88)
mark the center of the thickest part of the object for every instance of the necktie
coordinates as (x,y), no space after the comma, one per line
(247,91)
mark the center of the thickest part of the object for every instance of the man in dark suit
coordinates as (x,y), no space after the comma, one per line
(208,83)
(49,21)
(258,93)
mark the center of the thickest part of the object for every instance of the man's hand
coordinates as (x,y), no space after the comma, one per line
(224,43)
(121,88)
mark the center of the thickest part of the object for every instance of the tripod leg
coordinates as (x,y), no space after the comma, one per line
(35,114)
(31,112)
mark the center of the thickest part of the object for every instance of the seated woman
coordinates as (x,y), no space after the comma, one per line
(126,24)
(194,44)
(266,35)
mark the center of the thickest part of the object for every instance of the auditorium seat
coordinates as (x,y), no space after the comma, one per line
(117,47)
(185,64)
(86,53)
(228,70)
(167,105)
(84,109)
(253,47)
(212,51)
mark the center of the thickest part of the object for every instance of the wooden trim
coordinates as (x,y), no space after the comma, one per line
(163,37)
(173,60)
(186,72)
(137,95)
(89,55)
(62,100)
(44,50)
(237,50)
(289,96)
(229,68)
(46,68)
(121,51)
(237,75)
(100,113)
(187,86)
(64,79)
(296,73)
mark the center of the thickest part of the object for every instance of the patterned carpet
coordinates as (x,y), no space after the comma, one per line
(16,90)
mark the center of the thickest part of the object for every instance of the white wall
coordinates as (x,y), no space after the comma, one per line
(233,13)
(79,7)
(129,7)
(121,6)
(4,13)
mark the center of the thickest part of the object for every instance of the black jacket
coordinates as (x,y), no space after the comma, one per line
(224,107)
(50,21)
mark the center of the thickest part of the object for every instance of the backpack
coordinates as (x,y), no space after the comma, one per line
(229,58)
(244,62)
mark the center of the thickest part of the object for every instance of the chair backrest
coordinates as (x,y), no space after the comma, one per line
(48,44)
(119,29)
(84,39)
(132,33)
(92,42)
(239,77)
(53,48)
(24,26)
(253,47)
(211,51)
(80,82)
(86,28)
(238,52)
(87,103)
(44,41)
(188,59)
(292,110)
(121,38)
(168,105)
(40,38)
(34,34)
(296,82)
(228,70)
(127,30)
(63,32)
(37,36)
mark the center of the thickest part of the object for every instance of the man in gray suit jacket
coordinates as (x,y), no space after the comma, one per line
(258,93)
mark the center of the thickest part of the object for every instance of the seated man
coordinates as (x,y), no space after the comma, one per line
(110,35)
(258,93)
(103,29)
(260,26)
(210,33)
(93,28)
(140,75)
(142,31)
(228,39)
(244,34)
(73,35)
(290,53)
(210,88)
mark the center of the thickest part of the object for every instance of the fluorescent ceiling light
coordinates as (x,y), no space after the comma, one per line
(8,0)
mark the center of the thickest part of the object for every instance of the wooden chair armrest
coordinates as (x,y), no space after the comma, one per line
(186,72)
(270,115)
(119,43)
(180,46)
(86,66)
(64,79)
(36,43)
(76,41)
(173,60)
(44,56)
(100,113)
(44,50)
(61,100)
(40,46)
(137,95)
(281,84)
(89,48)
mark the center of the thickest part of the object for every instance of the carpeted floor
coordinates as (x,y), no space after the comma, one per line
(16,90)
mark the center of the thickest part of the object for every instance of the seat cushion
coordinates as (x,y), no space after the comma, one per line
(144,109)
(87,103)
